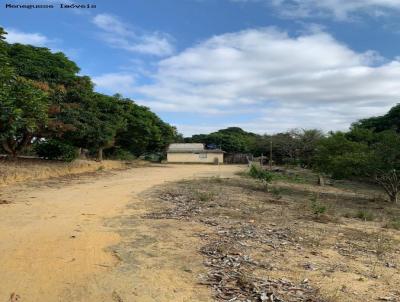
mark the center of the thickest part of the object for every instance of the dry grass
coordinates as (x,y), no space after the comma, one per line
(35,169)
(341,238)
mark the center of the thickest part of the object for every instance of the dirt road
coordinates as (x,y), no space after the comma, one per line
(83,239)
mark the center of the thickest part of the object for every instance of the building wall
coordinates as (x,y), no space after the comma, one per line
(194,158)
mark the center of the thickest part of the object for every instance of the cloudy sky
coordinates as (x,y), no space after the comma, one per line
(202,65)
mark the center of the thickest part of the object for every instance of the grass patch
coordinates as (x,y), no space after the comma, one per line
(276,192)
(291,178)
(204,196)
(365,215)
(317,208)
(394,223)
(243,174)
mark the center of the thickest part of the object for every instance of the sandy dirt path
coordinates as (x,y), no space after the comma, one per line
(84,239)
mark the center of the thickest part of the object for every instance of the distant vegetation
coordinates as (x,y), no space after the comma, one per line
(369,151)
(296,147)
(48,109)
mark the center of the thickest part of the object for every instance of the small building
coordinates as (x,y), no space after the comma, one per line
(194,153)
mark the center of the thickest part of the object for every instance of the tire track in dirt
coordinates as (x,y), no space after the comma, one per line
(72,242)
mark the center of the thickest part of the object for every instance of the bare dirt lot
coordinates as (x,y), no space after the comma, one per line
(197,233)
(297,242)
(83,238)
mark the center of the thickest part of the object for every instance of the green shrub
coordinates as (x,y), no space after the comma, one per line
(154,157)
(260,174)
(120,154)
(316,207)
(56,149)
(365,215)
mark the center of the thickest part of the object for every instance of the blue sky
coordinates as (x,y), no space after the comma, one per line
(264,65)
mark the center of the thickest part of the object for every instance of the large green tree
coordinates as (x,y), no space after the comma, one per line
(23,115)
(341,157)
(40,64)
(363,154)
(231,140)
(386,162)
(43,97)
(389,121)
(96,120)
(145,132)
(32,80)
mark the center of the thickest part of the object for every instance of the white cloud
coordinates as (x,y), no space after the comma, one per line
(40,40)
(189,130)
(112,24)
(115,82)
(121,35)
(16,36)
(311,80)
(340,9)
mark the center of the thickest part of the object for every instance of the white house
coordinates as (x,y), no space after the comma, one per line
(194,153)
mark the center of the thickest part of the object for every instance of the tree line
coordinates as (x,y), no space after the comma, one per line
(370,150)
(294,147)
(46,107)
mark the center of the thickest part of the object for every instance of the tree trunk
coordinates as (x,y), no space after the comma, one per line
(26,140)
(14,147)
(6,147)
(11,152)
(321,180)
(100,154)
(390,181)
(394,197)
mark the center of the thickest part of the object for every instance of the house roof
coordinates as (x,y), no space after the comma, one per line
(191,148)
(196,151)
(186,147)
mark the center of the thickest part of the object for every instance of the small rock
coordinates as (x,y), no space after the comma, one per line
(391,265)
(309,266)
(386,299)
(14,297)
